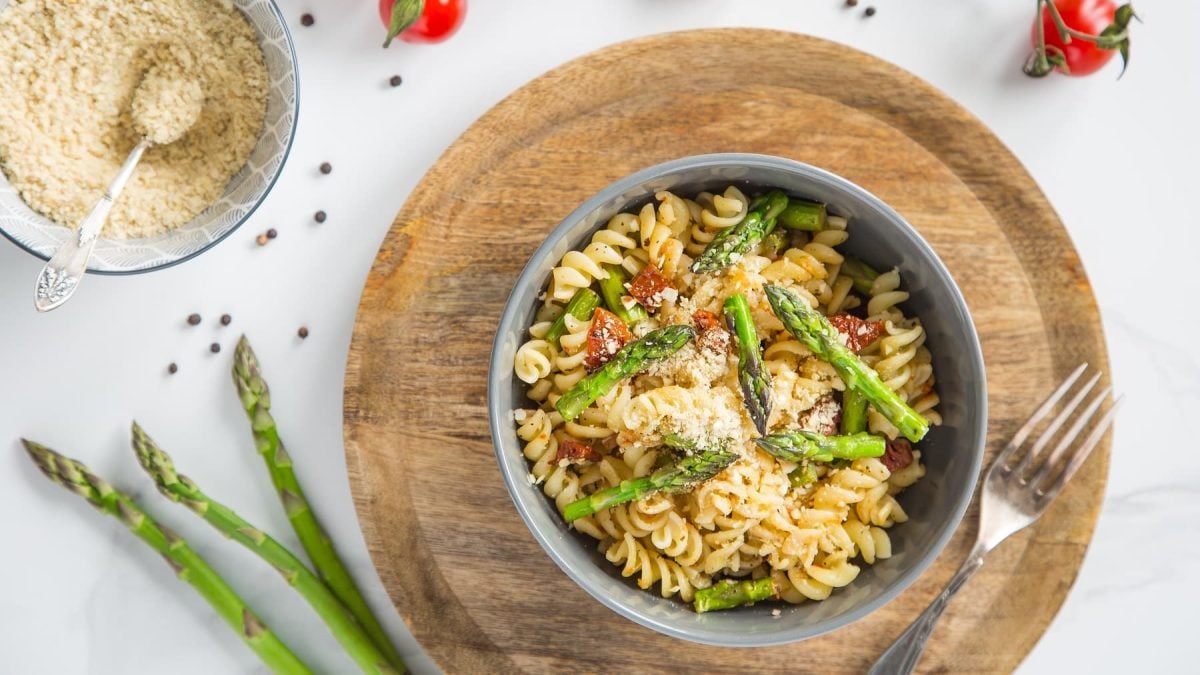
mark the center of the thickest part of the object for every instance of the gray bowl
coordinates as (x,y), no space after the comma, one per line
(952,452)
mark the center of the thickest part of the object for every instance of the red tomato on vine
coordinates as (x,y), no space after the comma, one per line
(421,21)
(1078,37)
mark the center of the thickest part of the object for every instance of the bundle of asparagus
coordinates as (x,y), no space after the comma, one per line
(330,590)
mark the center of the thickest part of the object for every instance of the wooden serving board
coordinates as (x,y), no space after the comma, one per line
(473,585)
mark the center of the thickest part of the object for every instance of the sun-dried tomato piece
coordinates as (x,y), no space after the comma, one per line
(607,334)
(651,288)
(710,334)
(898,455)
(823,417)
(856,332)
(575,451)
(705,320)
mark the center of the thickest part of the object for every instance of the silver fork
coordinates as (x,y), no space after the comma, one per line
(1016,492)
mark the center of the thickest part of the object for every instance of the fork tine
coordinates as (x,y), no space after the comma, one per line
(1018,438)
(1055,425)
(1068,437)
(1051,491)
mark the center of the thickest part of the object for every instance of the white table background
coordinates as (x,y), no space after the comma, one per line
(1117,159)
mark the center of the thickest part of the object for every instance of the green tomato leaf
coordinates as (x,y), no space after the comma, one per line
(404,14)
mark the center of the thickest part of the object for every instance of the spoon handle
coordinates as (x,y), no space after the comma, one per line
(62,274)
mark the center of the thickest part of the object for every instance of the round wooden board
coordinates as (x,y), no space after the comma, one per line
(473,585)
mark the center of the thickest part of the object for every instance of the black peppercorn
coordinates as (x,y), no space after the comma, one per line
(870,11)
(303,332)
(395,81)
(214,348)
(307,20)
(226,319)
(851,3)
(326,167)
(172,369)
(319,216)
(272,233)
(193,319)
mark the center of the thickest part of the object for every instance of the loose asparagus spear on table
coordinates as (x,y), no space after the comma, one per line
(794,446)
(735,241)
(752,372)
(860,273)
(728,593)
(854,412)
(613,291)
(256,401)
(581,305)
(186,563)
(803,215)
(632,359)
(704,463)
(340,621)
(815,332)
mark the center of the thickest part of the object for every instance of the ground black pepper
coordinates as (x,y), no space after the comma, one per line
(319,216)
(307,20)
(193,319)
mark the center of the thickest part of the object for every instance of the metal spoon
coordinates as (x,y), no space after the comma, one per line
(61,276)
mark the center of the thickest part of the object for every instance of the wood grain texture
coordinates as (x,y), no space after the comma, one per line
(473,585)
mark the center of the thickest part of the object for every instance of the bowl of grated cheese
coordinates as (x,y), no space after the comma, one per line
(657,559)
(66,123)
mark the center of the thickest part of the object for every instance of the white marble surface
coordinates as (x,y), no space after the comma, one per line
(80,596)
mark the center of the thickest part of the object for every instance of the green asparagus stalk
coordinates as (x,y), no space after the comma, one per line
(815,332)
(632,359)
(752,372)
(728,593)
(775,242)
(805,474)
(581,305)
(795,446)
(256,401)
(340,621)
(682,476)
(803,215)
(613,290)
(733,242)
(186,563)
(861,273)
(854,412)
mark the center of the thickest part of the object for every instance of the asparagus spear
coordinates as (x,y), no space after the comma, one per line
(581,305)
(802,444)
(775,242)
(805,474)
(861,273)
(803,215)
(688,472)
(735,241)
(256,400)
(632,359)
(613,290)
(752,373)
(854,412)
(728,593)
(340,621)
(816,333)
(185,562)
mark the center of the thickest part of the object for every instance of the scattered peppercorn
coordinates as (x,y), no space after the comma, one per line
(395,81)
(261,240)
(326,167)
(193,319)
(272,233)
(303,332)
(214,348)
(307,20)
(226,319)
(851,3)
(870,11)
(172,369)
(319,216)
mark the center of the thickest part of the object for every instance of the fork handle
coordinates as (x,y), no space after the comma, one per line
(901,658)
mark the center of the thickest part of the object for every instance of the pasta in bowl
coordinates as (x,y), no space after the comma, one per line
(720,372)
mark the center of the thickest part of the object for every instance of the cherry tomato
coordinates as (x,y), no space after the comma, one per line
(1085,16)
(438,21)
